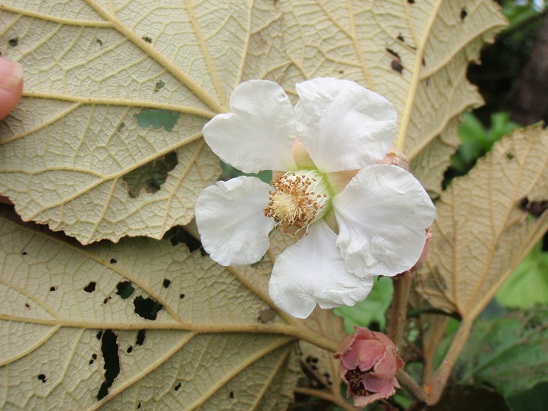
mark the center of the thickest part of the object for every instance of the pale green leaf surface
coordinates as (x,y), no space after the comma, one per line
(206,347)
(481,234)
(91,66)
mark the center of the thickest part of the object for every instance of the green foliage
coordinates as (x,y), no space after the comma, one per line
(507,353)
(516,12)
(371,310)
(528,284)
(478,140)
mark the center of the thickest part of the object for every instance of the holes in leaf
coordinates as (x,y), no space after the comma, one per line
(13,42)
(411,1)
(99,335)
(150,177)
(129,349)
(535,208)
(159,85)
(140,340)
(166,283)
(157,118)
(463,14)
(113,261)
(106,300)
(24,253)
(54,288)
(267,315)
(124,289)
(90,287)
(231,394)
(139,406)
(42,377)
(147,307)
(396,66)
(178,235)
(181,296)
(393,53)
(93,358)
(396,61)
(28,306)
(109,349)
(400,38)
(177,387)
(99,41)
(147,39)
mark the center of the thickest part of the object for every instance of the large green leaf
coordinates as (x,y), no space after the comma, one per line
(140,322)
(506,353)
(528,284)
(92,66)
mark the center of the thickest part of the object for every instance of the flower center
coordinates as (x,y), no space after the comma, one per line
(299,199)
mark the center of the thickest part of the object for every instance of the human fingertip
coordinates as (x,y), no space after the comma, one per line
(11,85)
(11,74)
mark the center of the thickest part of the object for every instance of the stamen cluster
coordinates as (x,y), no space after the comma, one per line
(299,198)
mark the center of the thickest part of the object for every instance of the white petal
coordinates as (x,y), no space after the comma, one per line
(258,132)
(382,216)
(313,271)
(342,125)
(231,222)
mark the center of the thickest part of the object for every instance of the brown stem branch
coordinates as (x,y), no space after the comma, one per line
(398,310)
(407,382)
(435,389)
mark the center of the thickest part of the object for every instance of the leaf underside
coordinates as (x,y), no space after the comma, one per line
(186,333)
(483,230)
(80,152)
(92,68)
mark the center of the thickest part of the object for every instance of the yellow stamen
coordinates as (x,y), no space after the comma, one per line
(299,199)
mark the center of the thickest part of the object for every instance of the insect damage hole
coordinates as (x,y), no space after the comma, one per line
(109,349)
(396,61)
(90,287)
(147,307)
(140,340)
(124,289)
(150,177)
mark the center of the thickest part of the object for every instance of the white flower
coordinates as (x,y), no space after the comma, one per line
(338,131)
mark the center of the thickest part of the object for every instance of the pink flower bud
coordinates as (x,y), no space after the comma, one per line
(368,366)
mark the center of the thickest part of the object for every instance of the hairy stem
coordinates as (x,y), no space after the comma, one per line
(439,381)
(407,382)
(398,310)
(301,331)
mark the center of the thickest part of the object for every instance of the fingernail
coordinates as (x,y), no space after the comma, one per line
(11,74)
